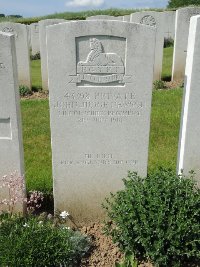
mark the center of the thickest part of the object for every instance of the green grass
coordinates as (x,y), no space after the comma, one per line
(36,74)
(165,123)
(167,63)
(37,145)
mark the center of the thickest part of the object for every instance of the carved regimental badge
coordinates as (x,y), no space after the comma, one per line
(10,30)
(148,20)
(100,67)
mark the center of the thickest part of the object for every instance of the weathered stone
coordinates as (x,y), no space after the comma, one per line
(183,16)
(22,50)
(127,18)
(100,81)
(156,20)
(11,156)
(35,43)
(189,143)
(43,48)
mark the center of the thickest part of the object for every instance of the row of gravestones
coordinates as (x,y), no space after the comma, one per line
(35,36)
(100,106)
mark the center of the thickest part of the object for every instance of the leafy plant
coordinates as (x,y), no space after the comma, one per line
(168,42)
(36,56)
(34,242)
(159,85)
(24,90)
(157,218)
(129,261)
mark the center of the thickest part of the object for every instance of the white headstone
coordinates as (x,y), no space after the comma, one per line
(100,102)
(155,20)
(35,44)
(104,17)
(183,16)
(169,24)
(189,142)
(43,48)
(22,50)
(11,156)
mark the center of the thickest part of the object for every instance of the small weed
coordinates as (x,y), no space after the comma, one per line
(159,85)
(24,90)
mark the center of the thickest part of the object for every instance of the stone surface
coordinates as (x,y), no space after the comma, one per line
(104,17)
(43,48)
(11,156)
(155,20)
(169,24)
(127,18)
(100,86)
(35,43)
(22,50)
(189,144)
(183,16)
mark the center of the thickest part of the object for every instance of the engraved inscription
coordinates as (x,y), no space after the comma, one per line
(99,107)
(10,30)
(5,128)
(99,159)
(100,67)
(148,20)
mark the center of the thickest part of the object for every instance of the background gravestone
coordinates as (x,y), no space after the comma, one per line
(169,30)
(100,103)
(11,156)
(35,44)
(104,17)
(183,16)
(156,20)
(22,50)
(189,143)
(43,48)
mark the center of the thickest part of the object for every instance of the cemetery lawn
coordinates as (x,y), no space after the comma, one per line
(165,120)
(36,75)
(167,63)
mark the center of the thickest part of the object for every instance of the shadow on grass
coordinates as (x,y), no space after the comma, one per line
(167,78)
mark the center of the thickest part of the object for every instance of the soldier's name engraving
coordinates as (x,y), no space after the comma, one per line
(99,107)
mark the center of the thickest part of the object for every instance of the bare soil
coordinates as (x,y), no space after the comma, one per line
(103,252)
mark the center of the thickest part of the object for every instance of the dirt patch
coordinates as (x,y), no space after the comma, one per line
(174,84)
(103,252)
(37,95)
